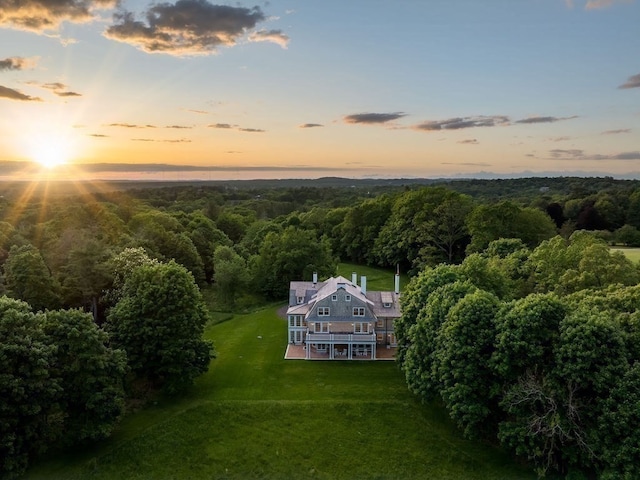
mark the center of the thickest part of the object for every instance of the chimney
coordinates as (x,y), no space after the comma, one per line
(315,277)
(363,284)
(354,278)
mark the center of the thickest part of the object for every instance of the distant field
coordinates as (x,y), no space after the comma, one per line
(255,415)
(377,279)
(632,254)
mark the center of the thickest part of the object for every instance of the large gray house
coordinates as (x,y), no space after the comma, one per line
(338,319)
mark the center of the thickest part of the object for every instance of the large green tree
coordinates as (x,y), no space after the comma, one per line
(28,390)
(90,373)
(231,274)
(291,255)
(159,322)
(468,384)
(505,219)
(28,278)
(425,227)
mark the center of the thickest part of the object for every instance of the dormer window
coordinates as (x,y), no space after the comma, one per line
(386,305)
(300,300)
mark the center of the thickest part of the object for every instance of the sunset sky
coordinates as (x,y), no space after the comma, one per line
(311,88)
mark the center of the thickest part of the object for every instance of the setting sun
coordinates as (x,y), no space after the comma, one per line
(50,150)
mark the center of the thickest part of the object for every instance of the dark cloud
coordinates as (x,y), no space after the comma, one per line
(130,125)
(632,82)
(67,94)
(544,119)
(16,63)
(51,86)
(177,140)
(275,36)
(47,15)
(560,139)
(228,126)
(311,125)
(190,27)
(178,127)
(463,122)
(57,88)
(470,141)
(576,154)
(98,135)
(373,118)
(626,156)
(142,140)
(615,132)
(11,94)
(201,112)
(564,153)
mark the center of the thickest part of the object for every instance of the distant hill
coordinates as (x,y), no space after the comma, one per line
(480,188)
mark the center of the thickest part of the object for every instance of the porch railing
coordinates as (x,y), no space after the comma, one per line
(341,338)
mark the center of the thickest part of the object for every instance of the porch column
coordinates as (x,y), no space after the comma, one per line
(308,350)
(350,351)
(373,352)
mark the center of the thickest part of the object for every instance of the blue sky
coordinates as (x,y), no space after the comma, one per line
(315,88)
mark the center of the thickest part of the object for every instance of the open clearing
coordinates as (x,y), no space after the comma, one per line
(632,254)
(255,415)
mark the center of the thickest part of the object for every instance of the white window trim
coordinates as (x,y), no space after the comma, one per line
(361,327)
(358,311)
(324,311)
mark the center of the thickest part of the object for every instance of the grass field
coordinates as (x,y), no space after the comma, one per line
(632,254)
(257,416)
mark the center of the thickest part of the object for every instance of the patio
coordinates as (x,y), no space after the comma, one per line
(298,352)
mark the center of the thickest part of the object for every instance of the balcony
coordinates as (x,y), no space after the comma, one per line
(334,338)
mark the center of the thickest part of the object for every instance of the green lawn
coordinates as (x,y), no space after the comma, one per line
(257,416)
(377,279)
(632,254)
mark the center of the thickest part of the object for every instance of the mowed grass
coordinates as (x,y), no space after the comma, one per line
(377,279)
(255,415)
(632,254)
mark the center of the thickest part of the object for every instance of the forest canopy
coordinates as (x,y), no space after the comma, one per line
(115,262)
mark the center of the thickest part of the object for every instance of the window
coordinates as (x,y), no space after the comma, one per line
(323,311)
(347,298)
(358,311)
(321,327)
(361,327)
(300,300)
(386,305)
(334,298)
